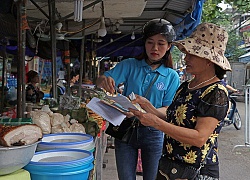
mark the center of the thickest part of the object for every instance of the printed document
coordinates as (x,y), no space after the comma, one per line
(109,113)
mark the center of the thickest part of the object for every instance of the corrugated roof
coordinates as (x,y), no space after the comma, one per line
(131,15)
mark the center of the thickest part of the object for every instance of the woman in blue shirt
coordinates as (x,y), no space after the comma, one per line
(137,74)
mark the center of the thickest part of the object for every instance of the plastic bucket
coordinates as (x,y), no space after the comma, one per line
(67,141)
(60,164)
(73,175)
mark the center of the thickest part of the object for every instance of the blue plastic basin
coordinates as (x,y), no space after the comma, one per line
(66,141)
(74,175)
(64,163)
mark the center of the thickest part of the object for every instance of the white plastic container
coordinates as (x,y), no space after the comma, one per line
(67,141)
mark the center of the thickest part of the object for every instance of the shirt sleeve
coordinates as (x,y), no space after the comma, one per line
(214,104)
(120,72)
(174,84)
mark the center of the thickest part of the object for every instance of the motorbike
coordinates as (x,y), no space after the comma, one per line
(233,116)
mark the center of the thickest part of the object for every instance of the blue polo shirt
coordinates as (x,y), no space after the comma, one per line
(137,76)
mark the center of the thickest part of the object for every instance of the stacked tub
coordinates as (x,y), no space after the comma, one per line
(64,156)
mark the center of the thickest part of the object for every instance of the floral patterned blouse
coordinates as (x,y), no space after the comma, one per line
(208,101)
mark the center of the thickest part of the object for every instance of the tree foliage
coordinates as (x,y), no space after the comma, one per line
(176,55)
(242,6)
(211,9)
(214,14)
(233,52)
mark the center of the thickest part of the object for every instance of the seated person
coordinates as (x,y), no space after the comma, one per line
(33,93)
(61,74)
(74,84)
(230,88)
(5,95)
(74,78)
(60,88)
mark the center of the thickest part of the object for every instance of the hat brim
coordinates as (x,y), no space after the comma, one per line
(203,50)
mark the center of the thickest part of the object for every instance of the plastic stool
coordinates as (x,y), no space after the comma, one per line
(20,174)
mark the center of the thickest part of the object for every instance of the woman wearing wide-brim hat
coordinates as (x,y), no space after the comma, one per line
(193,121)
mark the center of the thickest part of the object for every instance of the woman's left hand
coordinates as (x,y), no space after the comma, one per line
(128,114)
(147,119)
(142,101)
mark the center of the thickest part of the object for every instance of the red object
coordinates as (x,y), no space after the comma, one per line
(66,56)
(102,129)
(139,163)
(11,113)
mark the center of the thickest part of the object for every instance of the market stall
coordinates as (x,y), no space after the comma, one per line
(72,116)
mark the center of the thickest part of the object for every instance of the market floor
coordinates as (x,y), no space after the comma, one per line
(233,164)
(109,171)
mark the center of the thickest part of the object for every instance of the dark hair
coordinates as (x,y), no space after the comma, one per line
(163,27)
(219,72)
(31,74)
(73,74)
(159,26)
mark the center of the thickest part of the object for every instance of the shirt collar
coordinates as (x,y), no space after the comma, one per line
(164,71)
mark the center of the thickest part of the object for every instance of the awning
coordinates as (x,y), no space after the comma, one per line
(245,58)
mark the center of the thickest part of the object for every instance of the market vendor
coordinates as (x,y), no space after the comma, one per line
(74,78)
(60,88)
(33,93)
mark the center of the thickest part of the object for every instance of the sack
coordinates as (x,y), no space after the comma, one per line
(172,170)
(126,132)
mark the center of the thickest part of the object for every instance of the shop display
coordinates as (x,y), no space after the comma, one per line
(19,135)
(69,102)
(51,122)
(42,119)
(15,157)
(69,117)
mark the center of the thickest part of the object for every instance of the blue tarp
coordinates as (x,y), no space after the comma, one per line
(186,27)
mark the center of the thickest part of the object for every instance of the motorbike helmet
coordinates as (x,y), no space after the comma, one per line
(159,26)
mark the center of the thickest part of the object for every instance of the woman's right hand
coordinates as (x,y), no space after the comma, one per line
(107,83)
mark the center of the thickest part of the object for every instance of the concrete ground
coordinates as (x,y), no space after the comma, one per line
(234,165)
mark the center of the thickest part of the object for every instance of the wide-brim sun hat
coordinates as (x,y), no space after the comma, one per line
(207,41)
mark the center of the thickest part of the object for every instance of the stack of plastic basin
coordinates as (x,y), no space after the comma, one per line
(67,141)
(63,164)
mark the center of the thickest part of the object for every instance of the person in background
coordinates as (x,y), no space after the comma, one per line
(33,93)
(137,74)
(6,98)
(193,120)
(61,89)
(230,88)
(61,74)
(74,78)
